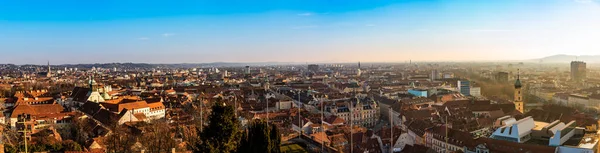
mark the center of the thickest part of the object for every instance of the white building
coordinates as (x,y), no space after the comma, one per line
(578,100)
(476,91)
(515,131)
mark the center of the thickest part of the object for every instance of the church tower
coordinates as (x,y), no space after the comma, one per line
(518,94)
(358,71)
(49,74)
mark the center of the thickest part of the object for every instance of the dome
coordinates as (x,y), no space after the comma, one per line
(518,83)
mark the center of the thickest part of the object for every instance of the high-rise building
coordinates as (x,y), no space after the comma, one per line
(501,77)
(313,67)
(464,87)
(578,70)
(434,75)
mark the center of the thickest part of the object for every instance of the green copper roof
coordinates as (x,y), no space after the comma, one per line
(518,83)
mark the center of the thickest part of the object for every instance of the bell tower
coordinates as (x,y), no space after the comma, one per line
(519,105)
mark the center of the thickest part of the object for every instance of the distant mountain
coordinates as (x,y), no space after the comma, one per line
(562,58)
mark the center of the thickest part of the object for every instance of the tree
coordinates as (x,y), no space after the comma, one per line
(157,137)
(261,137)
(222,135)
(119,140)
(80,129)
(275,139)
(70,145)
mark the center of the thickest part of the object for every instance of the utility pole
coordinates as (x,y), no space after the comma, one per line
(201,114)
(235,105)
(267,102)
(446,137)
(391,131)
(24,119)
(322,127)
(352,122)
(299,117)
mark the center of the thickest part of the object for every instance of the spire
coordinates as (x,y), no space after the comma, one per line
(518,82)
(90,82)
(49,74)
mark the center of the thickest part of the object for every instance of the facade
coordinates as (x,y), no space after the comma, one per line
(577,100)
(578,71)
(434,75)
(594,101)
(365,114)
(476,91)
(435,138)
(464,87)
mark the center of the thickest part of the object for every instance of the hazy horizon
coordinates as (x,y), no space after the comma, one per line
(72,32)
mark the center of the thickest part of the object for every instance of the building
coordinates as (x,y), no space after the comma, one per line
(594,101)
(418,92)
(464,87)
(519,105)
(313,67)
(434,75)
(475,91)
(365,112)
(142,109)
(577,100)
(514,131)
(555,133)
(443,139)
(49,74)
(501,77)
(42,115)
(578,71)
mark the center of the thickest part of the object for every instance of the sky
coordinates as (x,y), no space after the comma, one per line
(312,31)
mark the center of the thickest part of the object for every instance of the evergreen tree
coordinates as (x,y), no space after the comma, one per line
(275,139)
(261,138)
(223,133)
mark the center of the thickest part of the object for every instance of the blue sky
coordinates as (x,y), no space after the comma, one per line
(75,31)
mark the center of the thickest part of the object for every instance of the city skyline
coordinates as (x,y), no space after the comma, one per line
(71,32)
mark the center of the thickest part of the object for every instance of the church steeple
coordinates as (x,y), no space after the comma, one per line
(518,82)
(519,105)
(49,74)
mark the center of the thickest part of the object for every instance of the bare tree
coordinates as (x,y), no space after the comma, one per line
(157,137)
(119,140)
